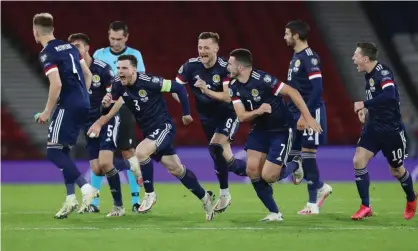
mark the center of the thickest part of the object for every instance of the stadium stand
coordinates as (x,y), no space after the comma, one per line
(169,44)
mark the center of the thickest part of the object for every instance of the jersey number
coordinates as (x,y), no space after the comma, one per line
(137,105)
(228,123)
(109,130)
(398,154)
(155,133)
(74,69)
(251,104)
(289,75)
(281,152)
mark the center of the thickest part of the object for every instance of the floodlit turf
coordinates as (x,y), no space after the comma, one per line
(177,222)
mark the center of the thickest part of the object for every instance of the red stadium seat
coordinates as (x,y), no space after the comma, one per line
(15,143)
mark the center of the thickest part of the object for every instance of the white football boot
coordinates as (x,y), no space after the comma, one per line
(298,174)
(223,202)
(310,208)
(147,202)
(208,205)
(69,206)
(323,193)
(89,194)
(116,212)
(273,217)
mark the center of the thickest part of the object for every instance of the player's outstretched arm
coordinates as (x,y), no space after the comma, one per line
(112,110)
(88,76)
(54,91)
(180,90)
(245,116)
(221,96)
(287,90)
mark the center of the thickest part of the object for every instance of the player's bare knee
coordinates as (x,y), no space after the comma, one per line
(269,177)
(127,154)
(173,165)
(397,172)
(105,166)
(141,154)
(97,170)
(253,172)
(359,161)
(176,170)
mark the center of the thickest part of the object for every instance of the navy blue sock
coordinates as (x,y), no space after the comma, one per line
(189,180)
(287,170)
(114,184)
(238,166)
(121,164)
(407,186)
(363,184)
(147,170)
(56,155)
(290,166)
(311,174)
(265,193)
(70,188)
(221,165)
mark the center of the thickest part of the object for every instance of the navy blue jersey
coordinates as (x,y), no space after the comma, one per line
(304,75)
(145,100)
(102,83)
(385,116)
(215,78)
(64,57)
(263,88)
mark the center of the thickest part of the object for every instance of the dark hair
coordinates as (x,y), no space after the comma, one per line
(132,59)
(368,49)
(119,26)
(79,36)
(299,27)
(212,35)
(243,56)
(44,20)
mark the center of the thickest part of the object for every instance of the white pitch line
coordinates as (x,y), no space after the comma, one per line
(205,228)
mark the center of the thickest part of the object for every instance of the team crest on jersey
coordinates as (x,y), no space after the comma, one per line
(155,80)
(255,94)
(142,93)
(96,80)
(231,93)
(384,72)
(181,70)
(296,66)
(314,61)
(267,78)
(43,58)
(111,74)
(216,79)
(371,83)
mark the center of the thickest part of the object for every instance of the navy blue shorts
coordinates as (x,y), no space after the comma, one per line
(66,124)
(392,145)
(164,137)
(308,138)
(276,145)
(107,139)
(227,126)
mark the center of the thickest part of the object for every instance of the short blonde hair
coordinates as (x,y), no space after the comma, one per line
(45,22)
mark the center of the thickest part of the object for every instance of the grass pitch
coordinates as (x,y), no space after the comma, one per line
(177,222)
